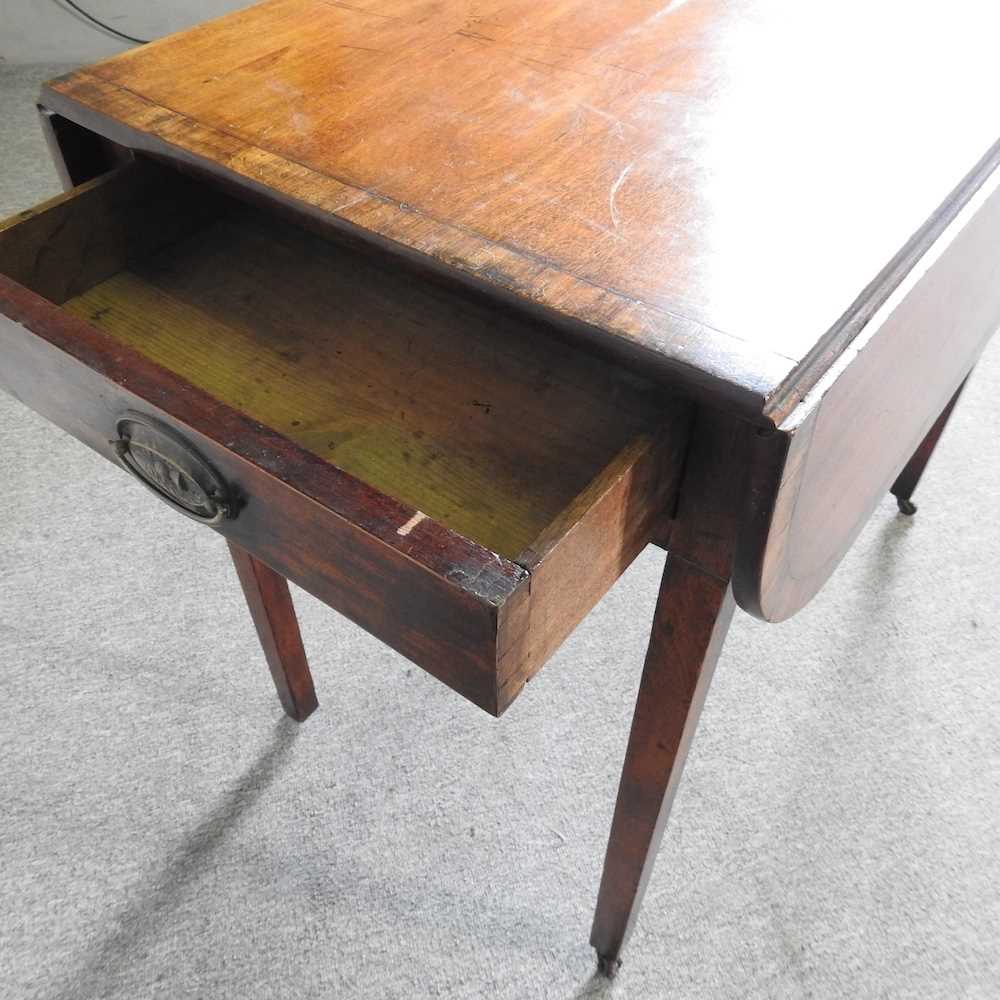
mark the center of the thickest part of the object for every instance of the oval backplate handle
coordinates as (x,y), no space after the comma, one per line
(168,466)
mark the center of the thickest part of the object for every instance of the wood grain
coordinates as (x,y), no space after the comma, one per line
(583,551)
(437,401)
(680,180)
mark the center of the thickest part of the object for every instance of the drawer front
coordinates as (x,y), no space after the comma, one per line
(399,588)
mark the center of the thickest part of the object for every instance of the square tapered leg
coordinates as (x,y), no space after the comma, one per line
(693,612)
(278,629)
(692,616)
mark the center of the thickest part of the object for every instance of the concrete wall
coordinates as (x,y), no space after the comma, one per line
(47,31)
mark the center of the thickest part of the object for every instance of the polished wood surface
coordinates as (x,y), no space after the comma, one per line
(273,615)
(685,180)
(817,479)
(477,619)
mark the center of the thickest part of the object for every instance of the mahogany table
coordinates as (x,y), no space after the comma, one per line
(445,311)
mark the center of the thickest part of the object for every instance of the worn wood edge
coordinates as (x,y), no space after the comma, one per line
(517,659)
(489,579)
(868,311)
(669,345)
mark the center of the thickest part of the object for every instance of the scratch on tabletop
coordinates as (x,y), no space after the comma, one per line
(614,191)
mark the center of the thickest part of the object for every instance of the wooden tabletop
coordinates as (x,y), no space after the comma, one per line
(723,190)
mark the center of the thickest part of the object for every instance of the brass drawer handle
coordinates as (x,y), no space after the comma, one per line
(165,464)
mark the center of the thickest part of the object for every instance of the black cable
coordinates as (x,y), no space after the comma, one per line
(101,24)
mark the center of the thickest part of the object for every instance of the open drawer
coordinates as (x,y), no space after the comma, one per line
(451,477)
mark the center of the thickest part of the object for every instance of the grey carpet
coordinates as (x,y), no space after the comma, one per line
(163,833)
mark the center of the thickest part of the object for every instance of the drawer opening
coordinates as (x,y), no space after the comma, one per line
(490,427)
(473,420)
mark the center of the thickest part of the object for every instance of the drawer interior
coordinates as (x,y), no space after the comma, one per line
(479,420)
